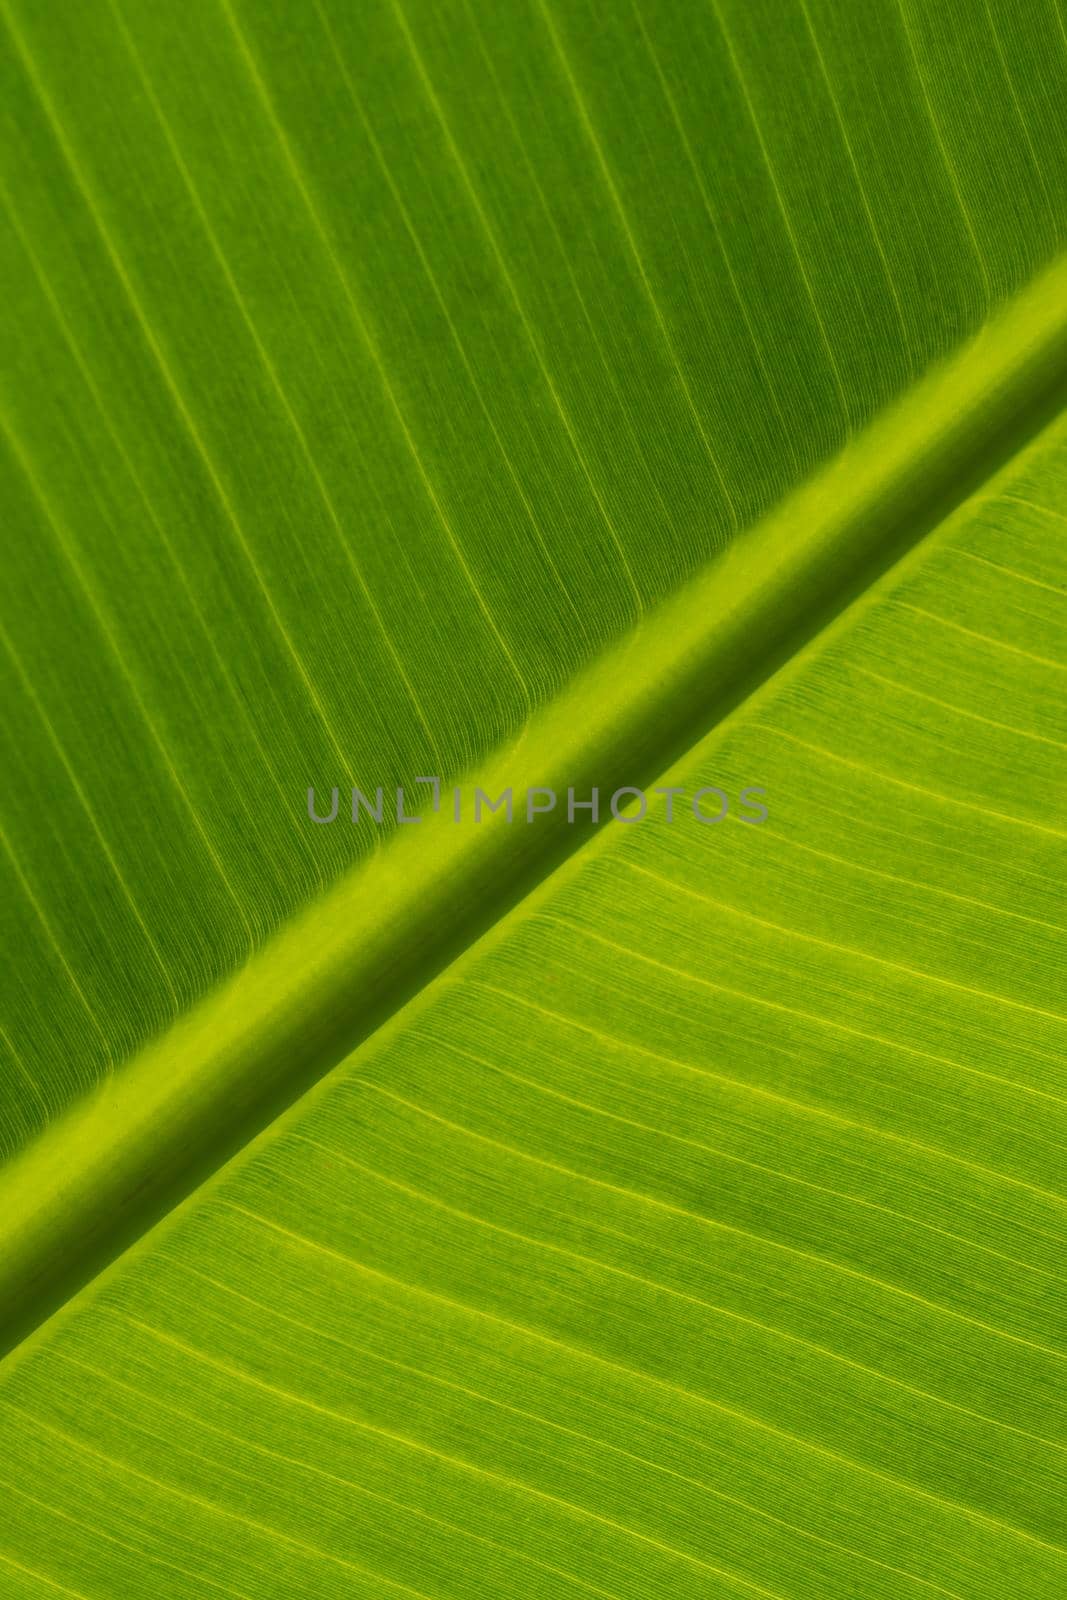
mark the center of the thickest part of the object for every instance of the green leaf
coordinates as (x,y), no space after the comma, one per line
(534,396)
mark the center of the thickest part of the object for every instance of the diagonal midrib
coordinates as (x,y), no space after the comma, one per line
(123,1157)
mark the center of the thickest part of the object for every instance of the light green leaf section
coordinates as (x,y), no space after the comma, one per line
(527,393)
(697,1233)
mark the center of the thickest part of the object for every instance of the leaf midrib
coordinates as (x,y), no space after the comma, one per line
(121,1158)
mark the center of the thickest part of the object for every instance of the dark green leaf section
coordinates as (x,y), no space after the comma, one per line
(368,368)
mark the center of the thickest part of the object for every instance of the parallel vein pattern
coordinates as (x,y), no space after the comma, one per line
(368,369)
(699,1233)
